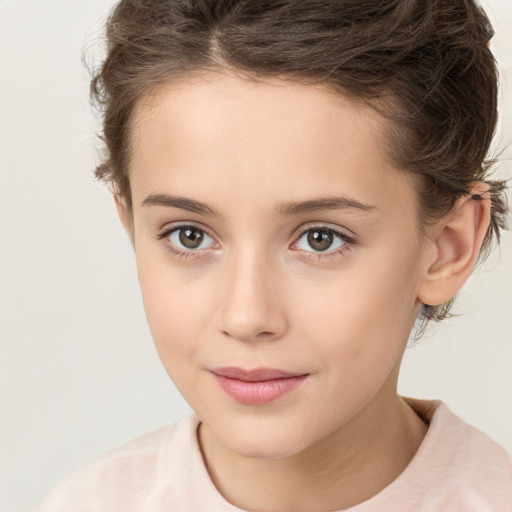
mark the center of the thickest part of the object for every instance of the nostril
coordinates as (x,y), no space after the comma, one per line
(261,334)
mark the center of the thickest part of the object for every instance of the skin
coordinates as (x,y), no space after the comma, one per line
(257,294)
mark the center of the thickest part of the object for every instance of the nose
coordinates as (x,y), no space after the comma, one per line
(253,307)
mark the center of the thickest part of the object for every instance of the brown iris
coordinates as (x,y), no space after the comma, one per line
(320,239)
(191,238)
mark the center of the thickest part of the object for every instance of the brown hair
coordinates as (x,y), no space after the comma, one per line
(424,64)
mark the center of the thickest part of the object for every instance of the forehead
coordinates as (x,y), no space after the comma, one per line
(216,105)
(230,135)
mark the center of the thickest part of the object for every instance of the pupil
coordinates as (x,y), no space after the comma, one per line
(320,240)
(191,238)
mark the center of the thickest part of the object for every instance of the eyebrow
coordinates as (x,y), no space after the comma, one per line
(286,209)
(323,203)
(184,203)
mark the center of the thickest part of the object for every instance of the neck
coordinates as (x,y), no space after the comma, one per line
(348,467)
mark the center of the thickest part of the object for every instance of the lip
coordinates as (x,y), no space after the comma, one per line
(258,386)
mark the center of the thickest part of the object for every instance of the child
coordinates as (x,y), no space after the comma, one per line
(301,181)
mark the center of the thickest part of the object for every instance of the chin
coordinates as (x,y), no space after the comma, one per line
(264,439)
(264,449)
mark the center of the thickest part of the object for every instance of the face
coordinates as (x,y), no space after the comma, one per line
(278,256)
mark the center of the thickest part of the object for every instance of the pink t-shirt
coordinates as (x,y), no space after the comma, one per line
(457,468)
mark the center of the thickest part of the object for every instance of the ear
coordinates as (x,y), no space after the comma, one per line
(125,215)
(456,242)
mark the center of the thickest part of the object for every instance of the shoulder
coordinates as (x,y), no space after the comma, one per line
(459,464)
(124,478)
(481,467)
(466,448)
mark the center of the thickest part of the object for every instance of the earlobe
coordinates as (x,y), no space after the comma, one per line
(457,240)
(124,215)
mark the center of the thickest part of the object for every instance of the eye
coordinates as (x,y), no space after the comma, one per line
(188,238)
(322,239)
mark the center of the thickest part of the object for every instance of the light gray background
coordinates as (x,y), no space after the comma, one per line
(78,372)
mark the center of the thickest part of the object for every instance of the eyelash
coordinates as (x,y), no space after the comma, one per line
(167,231)
(348,242)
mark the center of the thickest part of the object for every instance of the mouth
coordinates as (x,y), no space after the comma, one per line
(259,386)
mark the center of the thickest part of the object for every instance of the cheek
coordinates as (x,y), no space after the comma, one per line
(175,307)
(364,314)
